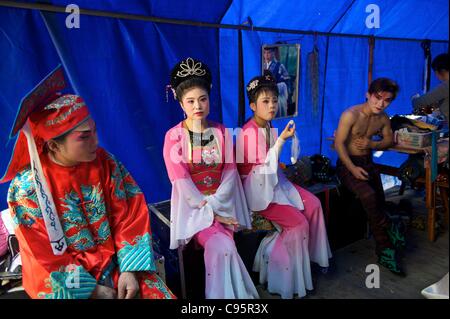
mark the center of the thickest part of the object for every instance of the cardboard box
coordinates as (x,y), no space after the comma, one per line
(412,140)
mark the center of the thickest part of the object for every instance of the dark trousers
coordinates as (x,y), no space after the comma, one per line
(371,195)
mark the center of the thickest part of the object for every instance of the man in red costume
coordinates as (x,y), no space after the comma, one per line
(81,220)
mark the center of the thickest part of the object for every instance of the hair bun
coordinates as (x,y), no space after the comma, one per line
(265,80)
(188,69)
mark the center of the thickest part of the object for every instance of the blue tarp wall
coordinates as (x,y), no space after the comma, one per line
(121,66)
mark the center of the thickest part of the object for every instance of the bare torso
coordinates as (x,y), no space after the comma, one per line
(364,126)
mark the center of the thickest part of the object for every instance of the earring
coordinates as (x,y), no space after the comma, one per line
(185,116)
(167,93)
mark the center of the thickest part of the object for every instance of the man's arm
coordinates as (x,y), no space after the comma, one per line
(432,97)
(283,72)
(387,140)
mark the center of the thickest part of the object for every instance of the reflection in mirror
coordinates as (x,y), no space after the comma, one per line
(283,61)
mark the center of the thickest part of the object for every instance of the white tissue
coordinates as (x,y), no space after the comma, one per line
(295,148)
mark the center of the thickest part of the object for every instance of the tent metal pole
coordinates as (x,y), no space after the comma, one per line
(323,93)
(371,49)
(342,16)
(241,105)
(127,16)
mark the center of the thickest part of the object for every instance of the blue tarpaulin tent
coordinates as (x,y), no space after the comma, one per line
(120,58)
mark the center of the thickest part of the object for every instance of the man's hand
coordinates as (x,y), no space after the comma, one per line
(128,285)
(363,143)
(288,131)
(103,292)
(226,220)
(360,173)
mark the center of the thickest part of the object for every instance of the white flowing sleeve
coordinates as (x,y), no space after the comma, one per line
(186,216)
(229,199)
(264,184)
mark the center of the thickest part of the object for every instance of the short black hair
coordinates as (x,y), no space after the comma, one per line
(252,98)
(440,63)
(384,85)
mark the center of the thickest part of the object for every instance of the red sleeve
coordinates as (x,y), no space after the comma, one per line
(129,220)
(45,275)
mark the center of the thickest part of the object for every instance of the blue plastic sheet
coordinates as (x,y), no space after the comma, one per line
(121,67)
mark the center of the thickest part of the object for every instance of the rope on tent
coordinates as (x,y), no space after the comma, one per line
(371,50)
(241,105)
(313,74)
(140,17)
(426,46)
(323,95)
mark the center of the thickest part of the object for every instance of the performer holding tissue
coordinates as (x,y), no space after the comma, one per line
(283,258)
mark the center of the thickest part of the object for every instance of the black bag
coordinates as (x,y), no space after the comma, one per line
(412,169)
(301,172)
(321,168)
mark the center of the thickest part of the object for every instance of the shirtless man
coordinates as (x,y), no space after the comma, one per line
(356,170)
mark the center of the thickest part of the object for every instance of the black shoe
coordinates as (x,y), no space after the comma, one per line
(396,233)
(388,259)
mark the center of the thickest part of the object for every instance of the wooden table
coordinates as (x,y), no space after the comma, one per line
(325,188)
(430,184)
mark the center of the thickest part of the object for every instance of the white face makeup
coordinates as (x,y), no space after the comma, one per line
(266,106)
(195,104)
(80,145)
(379,101)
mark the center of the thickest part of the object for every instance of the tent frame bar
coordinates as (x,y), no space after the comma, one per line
(128,16)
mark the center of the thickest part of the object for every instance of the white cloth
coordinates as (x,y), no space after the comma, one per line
(6,217)
(438,290)
(45,198)
(282,261)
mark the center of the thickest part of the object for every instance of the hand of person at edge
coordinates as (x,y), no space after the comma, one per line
(128,286)
(103,292)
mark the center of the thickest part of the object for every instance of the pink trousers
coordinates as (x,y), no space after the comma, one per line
(225,274)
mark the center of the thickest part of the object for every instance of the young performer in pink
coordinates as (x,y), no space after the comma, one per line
(81,220)
(283,259)
(208,201)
